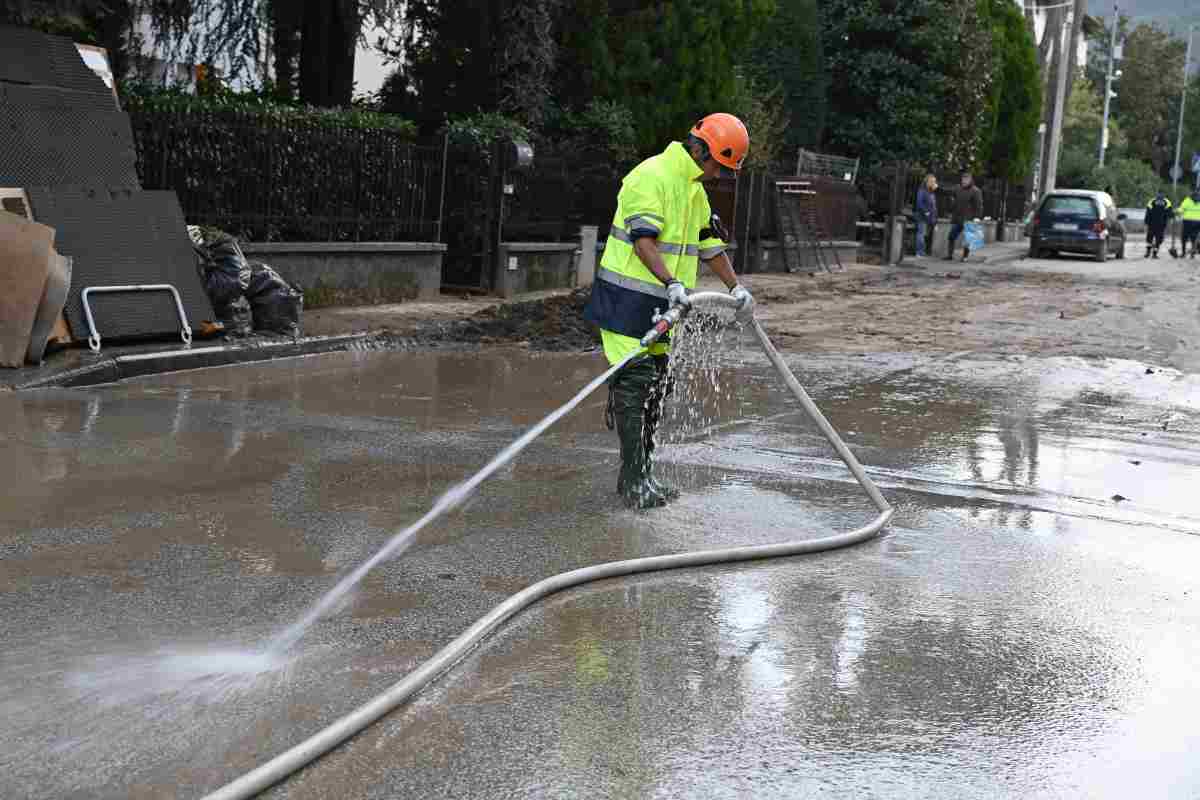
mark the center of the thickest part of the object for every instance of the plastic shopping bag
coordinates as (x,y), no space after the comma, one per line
(973,236)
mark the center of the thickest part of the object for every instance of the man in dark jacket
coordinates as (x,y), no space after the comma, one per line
(1159,213)
(968,207)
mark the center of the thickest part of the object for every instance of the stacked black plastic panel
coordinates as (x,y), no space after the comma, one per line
(64,139)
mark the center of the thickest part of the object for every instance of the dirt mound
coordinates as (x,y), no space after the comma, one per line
(555,323)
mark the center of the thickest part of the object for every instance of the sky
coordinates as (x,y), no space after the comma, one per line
(1171,14)
(369,70)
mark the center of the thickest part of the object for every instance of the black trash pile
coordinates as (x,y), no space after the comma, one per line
(246,295)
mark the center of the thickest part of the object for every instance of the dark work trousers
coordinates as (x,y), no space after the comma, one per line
(1154,237)
(1190,230)
(956,230)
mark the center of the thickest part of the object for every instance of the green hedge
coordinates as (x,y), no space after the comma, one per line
(267,172)
(144,98)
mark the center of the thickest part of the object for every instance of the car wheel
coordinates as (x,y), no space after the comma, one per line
(1102,253)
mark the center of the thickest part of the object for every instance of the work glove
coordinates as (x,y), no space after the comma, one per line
(745,309)
(676,295)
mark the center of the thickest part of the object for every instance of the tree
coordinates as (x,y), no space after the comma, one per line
(972,103)
(895,69)
(105,23)
(313,48)
(24,12)
(1082,121)
(677,59)
(1133,182)
(680,55)
(786,51)
(526,60)
(765,112)
(1016,102)
(477,55)
(1148,90)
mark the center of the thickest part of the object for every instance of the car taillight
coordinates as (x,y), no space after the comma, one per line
(1037,220)
(1099,226)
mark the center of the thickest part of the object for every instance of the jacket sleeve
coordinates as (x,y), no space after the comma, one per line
(977,203)
(641,202)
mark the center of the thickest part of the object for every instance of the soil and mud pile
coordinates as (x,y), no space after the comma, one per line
(554,323)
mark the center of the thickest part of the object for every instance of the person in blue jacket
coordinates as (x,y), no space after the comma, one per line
(926,213)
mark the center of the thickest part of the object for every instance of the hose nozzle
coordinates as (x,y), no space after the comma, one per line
(662,324)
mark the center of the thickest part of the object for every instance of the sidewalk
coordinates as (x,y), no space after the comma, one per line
(993,254)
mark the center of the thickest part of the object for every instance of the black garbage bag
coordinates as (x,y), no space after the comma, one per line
(221,264)
(276,304)
(237,317)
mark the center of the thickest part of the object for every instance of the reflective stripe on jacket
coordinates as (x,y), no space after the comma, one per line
(1158,213)
(661,197)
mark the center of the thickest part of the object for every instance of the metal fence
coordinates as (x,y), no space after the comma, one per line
(1001,199)
(263,178)
(489,201)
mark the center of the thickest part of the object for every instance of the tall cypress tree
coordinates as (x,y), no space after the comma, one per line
(786,52)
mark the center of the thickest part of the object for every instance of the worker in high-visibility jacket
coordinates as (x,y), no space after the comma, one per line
(662,229)
(1189,210)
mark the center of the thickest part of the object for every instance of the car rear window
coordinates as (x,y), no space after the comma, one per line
(1073,206)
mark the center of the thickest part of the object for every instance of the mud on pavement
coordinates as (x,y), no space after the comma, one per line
(1032,309)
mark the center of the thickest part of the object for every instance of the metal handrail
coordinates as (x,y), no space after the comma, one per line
(185,331)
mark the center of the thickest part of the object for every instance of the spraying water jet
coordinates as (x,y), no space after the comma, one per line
(330,737)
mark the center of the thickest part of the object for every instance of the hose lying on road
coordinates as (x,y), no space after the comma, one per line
(327,739)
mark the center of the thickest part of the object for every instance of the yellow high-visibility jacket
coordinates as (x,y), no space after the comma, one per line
(660,197)
(1189,209)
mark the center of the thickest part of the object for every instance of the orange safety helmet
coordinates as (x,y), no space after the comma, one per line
(726,138)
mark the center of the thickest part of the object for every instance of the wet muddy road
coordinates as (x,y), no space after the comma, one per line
(1018,631)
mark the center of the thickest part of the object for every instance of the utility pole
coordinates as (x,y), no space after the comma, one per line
(1062,46)
(1176,172)
(1108,82)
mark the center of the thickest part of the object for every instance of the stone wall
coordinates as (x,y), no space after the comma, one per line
(534,266)
(355,273)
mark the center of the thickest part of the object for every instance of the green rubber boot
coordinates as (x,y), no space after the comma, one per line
(630,391)
(654,407)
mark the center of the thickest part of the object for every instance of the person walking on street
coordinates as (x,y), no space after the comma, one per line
(968,207)
(1159,213)
(1189,210)
(662,229)
(926,213)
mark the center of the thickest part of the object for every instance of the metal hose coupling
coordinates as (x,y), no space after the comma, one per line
(663,323)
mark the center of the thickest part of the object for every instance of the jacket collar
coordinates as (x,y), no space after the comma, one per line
(681,161)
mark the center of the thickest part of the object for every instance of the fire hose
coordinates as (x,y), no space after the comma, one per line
(320,743)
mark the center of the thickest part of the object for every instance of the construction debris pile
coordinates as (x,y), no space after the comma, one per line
(88,255)
(555,324)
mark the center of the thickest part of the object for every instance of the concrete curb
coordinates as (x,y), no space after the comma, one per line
(1007,257)
(110,369)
